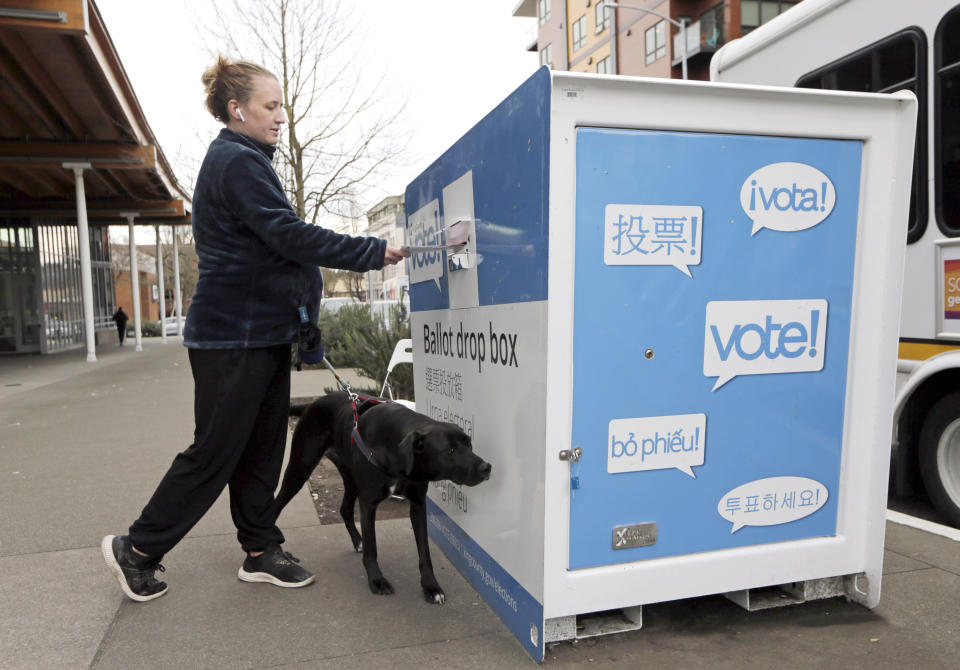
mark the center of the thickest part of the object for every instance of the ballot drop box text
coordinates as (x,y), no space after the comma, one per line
(672,331)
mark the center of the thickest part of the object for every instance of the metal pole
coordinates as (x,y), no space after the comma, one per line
(177,302)
(86,271)
(683,47)
(163,297)
(614,46)
(134,280)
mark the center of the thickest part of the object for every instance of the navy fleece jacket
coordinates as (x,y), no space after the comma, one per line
(258,260)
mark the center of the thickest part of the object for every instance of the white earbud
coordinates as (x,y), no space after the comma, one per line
(240,114)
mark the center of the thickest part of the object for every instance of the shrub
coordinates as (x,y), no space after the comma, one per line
(150,328)
(355,338)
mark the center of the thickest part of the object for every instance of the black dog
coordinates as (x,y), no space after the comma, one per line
(409,450)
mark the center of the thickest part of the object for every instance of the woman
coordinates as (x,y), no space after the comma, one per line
(258,266)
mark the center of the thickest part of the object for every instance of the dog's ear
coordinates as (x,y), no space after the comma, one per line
(405,451)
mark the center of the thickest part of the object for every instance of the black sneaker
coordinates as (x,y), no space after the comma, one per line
(275,566)
(134,572)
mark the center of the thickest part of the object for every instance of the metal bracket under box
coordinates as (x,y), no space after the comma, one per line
(795,593)
(582,626)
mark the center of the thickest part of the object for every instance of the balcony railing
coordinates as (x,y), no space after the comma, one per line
(704,36)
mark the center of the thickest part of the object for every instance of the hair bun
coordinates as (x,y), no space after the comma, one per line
(226,81)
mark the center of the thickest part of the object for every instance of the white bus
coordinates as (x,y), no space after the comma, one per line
(884,46)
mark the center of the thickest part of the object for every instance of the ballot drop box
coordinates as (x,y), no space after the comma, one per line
(672,331)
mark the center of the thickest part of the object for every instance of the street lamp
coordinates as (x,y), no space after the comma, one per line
(682,25)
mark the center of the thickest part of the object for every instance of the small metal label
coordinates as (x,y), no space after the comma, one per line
(637,535)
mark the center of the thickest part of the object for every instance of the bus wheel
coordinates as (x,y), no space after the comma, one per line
(940,456)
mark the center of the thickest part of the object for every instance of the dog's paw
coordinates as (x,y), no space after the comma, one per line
(434,595)
(358,547)
(381,586)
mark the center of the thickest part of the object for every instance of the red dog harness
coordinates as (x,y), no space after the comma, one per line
(355,435)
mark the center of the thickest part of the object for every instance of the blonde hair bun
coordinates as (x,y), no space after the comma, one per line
(226,81)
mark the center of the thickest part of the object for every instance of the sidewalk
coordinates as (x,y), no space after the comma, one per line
(82,445)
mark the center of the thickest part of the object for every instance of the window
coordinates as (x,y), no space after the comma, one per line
(946,135)
(546,56)
(895,63)
(603,17)
(656,42)
(712,26)
(579,33)
(543,10)
(60,284)
(754,13)
(603,66)
(102,271)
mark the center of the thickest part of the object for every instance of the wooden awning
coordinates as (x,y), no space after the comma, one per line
(65,98)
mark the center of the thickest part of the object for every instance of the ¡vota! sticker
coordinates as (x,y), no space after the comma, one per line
(424,230)
(787,197)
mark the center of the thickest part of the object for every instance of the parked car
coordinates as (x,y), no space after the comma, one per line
(170,325)
(381,307)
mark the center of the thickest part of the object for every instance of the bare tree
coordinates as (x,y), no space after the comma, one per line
(119,261)
(343,130)
(187,260)
(344,283)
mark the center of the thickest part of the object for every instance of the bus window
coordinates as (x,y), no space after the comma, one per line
(947,123)
(895,63)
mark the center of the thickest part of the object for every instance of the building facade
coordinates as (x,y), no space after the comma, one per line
(386,221)
(41,303)
(76,156)
(147,286)
(587,36)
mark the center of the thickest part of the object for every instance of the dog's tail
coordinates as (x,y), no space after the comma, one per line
(310,441)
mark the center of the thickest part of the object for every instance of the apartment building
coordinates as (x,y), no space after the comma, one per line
(640,37)
(386,221)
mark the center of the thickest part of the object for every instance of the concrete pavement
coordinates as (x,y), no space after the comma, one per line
(82,446)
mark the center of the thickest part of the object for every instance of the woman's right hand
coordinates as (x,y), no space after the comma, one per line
(394,255)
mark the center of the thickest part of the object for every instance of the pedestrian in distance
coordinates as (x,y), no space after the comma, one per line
(121,318)
(258,271)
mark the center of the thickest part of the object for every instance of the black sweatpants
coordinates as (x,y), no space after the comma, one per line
(241,406)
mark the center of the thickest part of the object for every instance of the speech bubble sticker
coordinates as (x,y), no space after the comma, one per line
(763,337)
(788,197)
(423,230)
(772,501)
(653,235)
(657,443)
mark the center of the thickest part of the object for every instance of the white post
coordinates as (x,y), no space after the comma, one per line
(163,298)
(86,271)
(134,280)
(683,46)
(177,301)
